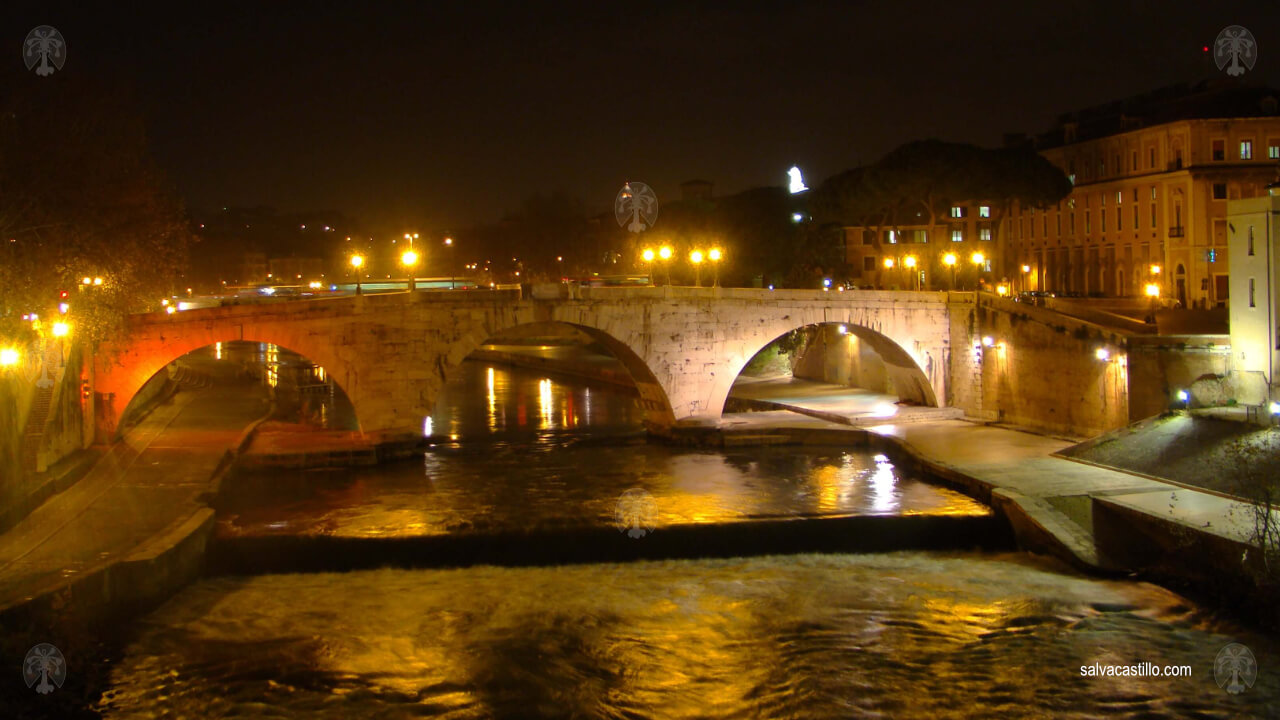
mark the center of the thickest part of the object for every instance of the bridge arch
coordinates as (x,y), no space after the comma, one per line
(653,398)
(913,361)
(119,379)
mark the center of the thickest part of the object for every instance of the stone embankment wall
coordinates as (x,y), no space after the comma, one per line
(1160,366)
(1026,366)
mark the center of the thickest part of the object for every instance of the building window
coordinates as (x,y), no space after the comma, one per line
(1153,216)
(920,236)
(1246,149)
(1087,228)
(957,212)
(1133,160)
(1102,167)
(1252,302)
(1135,217)
(984,211)
(1151,163)
(1071,178)
(1044,225)
(1219,191)
(1102,220)
(1058,221)
(1219,150)
(1250,239)
(1119,197)
(1119,218)
(1153,192)
(984,233)
(957,234)
(890,237)
(1071,222)
(868,237)
(1102,199)
(869,263)
(1273,149)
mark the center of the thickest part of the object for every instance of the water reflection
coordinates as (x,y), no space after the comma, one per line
(490,487)
(486,400)
(904,635)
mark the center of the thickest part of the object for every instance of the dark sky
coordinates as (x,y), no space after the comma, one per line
(439,115)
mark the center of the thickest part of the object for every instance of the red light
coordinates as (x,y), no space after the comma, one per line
(1206,48)
(63,294)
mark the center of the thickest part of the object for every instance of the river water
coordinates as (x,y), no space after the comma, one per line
(900,634)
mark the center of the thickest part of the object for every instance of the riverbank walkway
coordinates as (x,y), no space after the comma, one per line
(144,489)
(1009,465)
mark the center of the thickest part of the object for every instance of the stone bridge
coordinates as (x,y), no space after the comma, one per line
(684,347)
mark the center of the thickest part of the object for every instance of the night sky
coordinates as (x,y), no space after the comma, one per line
(440,116)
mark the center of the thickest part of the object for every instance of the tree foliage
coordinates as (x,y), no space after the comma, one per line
(80,197)
(917,183)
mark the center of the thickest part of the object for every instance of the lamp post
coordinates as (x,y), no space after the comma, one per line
(665,253)
(409,259)
(448,242)
(1026,270)
(357,262)
(950,261)
(977,259)
(648,256)
(714,256)
(909,262)
(695,257)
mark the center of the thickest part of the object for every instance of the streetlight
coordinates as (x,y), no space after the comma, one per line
(9,357)
(695,257)
(1026,270)
(409,259)
(950,261)
(648,256)
(977,259)
(910,263)
(715,256)
(60,329)
(357,261)
(665,252)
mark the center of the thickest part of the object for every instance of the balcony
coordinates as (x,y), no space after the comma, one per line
(1177,231)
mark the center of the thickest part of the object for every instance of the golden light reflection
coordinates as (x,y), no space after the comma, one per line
(883,483)
(217,351)
(544,402)
(273,365)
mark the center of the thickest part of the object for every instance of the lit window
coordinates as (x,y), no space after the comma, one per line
(1153,192)
(1119,197)
(957,234)
(1246,149)
(1072,178)
(984,211)
(1273,150)
(984,233)
(957,212)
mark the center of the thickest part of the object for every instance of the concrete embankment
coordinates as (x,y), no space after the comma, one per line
(136,528)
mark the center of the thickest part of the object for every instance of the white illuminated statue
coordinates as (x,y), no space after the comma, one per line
(797,183)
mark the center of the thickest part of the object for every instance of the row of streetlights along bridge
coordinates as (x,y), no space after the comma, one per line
(696,258)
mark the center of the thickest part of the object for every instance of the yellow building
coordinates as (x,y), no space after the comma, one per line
(1152,178)
(957,251)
